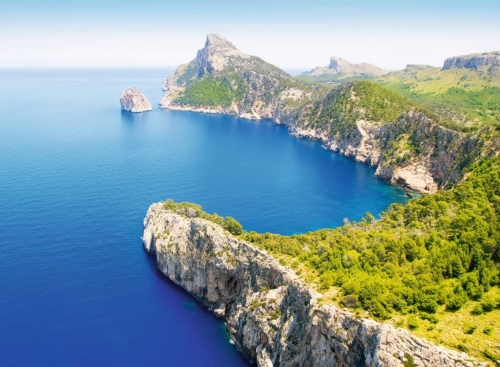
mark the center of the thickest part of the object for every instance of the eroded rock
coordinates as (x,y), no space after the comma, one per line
(132,100)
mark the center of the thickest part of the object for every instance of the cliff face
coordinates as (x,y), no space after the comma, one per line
(359,119)
(474,61)
(271,316)
(132,100)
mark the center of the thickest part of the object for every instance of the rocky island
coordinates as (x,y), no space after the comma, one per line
(271,315)
(133,100)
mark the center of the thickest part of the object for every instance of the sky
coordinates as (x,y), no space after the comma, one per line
(294,35)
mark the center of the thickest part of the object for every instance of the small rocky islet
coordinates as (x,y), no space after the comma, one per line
(133,100)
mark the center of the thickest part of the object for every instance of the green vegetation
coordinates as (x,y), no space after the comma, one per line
(431,265)
(464,99)
(211,92)
(361,100)
(470,97)
(334,79)
(193,210)
(437,250)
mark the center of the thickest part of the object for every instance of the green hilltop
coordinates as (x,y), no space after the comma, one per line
(466,96)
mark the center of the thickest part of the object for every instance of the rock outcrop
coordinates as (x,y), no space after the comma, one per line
(132,100)
(271,316)
(342,66)
(490,60)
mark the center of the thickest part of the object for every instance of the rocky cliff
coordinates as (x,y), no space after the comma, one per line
(490,60)
(358,119)
(132,100)
(271,316)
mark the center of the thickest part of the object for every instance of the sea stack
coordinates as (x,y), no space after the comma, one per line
(132,100)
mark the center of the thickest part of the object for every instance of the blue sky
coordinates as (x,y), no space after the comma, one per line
(290,34)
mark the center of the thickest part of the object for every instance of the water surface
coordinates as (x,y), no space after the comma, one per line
(76,179)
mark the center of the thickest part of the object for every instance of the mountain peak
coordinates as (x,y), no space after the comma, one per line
(216,54)
(216,42)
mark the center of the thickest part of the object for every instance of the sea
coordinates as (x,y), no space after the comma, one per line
(76,178)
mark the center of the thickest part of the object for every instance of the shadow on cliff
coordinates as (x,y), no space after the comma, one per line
(191,306)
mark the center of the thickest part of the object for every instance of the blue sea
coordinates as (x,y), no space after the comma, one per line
(76,178)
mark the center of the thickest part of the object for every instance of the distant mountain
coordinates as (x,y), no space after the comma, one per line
(342,66)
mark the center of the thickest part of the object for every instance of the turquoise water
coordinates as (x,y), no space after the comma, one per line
(76,179)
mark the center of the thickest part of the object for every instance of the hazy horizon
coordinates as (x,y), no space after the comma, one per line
(293,35)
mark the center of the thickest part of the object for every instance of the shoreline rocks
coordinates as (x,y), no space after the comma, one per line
(133,100)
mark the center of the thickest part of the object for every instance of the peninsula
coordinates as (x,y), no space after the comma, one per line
(411,145)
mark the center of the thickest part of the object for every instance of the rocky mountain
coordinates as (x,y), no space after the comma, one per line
(407,143)
(132,100)
(347,68)
(271,315)
(490,60)
(221,79)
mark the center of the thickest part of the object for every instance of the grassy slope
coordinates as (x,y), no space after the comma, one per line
(470,98)
(474,93)
(334,79)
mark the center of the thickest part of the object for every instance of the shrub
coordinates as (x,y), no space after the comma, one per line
(432,318)
(349,301)
(232,225)
(413,322)
(469,329)
(488,330)
(477,310)
(487,304)
(456,301)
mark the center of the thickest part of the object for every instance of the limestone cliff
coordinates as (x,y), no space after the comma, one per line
(271,316)
(132,100)
(490,60)
(358,119)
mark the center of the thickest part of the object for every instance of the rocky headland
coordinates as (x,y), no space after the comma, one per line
(271,315)
(406,143)
(133,100)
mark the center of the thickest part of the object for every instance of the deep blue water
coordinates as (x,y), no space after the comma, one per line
(76,179)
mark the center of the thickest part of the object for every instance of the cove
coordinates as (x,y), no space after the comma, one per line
(76,179)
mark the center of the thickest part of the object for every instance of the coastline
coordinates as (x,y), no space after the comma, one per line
(271,315)
(413,178)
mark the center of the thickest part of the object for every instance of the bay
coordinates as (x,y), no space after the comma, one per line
(76,178)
